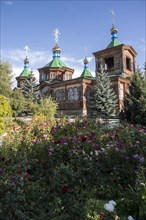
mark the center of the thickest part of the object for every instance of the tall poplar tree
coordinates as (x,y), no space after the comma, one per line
(104,102)
(135,101)
(5,78)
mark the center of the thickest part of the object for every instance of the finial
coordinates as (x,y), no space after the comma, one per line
(86,49)
(56,34)
(26,49)
(113,18)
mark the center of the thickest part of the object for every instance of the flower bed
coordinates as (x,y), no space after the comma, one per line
(69,171)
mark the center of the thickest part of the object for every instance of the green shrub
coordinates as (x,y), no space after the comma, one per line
(67,171)
(5,114)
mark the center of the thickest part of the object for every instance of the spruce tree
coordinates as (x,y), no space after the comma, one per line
(104,102)
(30,89)
(135,100)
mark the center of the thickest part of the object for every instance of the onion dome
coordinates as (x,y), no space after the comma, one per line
(26,62)
(56,51)
(115,41)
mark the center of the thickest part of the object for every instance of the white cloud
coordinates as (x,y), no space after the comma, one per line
(8,2)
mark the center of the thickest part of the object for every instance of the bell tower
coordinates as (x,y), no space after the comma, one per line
(118,60)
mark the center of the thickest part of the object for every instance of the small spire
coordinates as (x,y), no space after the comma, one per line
(86,72)
(26,60)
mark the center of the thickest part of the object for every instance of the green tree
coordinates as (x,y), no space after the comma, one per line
(5,78)
(17,101)
(5,113)
(104,102)
(135,100)
(30,89)
(144,70)
(47,107)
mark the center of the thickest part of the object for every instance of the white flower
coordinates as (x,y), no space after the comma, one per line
(109,207)
(130,217)
(96,153)
(91,153)
(112,202)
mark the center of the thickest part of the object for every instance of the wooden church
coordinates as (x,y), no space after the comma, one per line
(73,95)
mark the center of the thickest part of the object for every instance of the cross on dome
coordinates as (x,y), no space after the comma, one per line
(56,34)
(113,17)
(26,49)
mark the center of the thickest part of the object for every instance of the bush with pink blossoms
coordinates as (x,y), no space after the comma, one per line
(65,171)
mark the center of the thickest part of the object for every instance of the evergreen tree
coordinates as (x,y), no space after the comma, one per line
(30,89)
(5,78)
(135,101)
(144,70)
(104,102)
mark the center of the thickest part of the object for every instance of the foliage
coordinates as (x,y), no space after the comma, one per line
(47,107)
(135,101)
(104,103)
(5,114)
(5,78)
(68,171)
(17,102)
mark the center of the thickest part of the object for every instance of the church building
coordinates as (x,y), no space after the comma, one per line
(73,95)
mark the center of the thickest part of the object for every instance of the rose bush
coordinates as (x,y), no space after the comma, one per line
(66,171)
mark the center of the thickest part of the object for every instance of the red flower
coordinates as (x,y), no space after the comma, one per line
(84,138)
(27,175)
(58,142)
(19,171)
(64,189)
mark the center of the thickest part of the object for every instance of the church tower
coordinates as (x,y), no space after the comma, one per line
(119,62)
(55,71)
(26,73)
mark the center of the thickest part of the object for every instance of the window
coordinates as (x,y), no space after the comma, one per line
(60,95)
(70,94)
(73,94)
(128,63)
(109,63)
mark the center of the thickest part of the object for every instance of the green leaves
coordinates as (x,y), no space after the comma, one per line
(135,100)
(5,79)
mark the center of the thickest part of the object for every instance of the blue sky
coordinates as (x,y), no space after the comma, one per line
(81,24)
